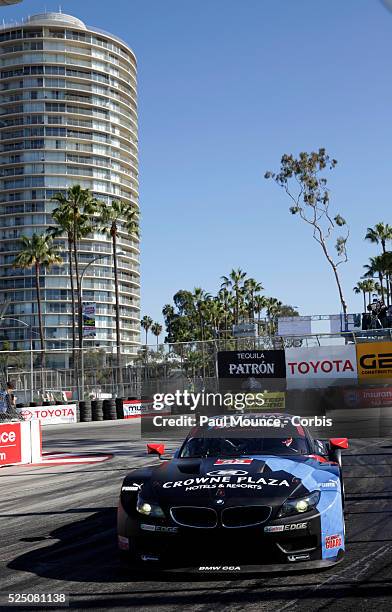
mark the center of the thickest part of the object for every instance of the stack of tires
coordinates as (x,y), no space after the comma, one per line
(109,410)
(96,410)
(119,408)
(85,411)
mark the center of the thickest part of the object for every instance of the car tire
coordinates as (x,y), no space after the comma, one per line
(127,557)
(342,489)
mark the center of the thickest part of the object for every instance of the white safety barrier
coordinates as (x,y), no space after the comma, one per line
(50,415)
(20,442)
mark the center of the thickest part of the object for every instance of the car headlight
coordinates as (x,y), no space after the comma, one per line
(149,508)
(300,505)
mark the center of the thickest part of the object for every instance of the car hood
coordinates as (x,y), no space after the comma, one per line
(264,479)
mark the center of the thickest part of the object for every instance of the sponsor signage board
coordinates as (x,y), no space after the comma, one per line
(320,366)
(374,360)
(377,397)
(10,443)
(245,330)
(251,364)
(89,311)
(273,400)
(50,415)
(141,408)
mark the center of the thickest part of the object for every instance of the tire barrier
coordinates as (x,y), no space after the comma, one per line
(119,408)
(85,411)
(109,410)
(96,410)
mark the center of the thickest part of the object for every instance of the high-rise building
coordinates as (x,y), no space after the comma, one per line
(68,115)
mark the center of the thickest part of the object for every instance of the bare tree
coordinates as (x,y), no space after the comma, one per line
(303,181)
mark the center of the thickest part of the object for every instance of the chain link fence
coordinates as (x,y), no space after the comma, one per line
(163,368)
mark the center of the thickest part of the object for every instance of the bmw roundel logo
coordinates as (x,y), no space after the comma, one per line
(219,502)
(227,473)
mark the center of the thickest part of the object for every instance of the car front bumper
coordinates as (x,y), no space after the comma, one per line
(166,546)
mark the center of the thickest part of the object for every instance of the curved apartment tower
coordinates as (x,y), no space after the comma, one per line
(68,115)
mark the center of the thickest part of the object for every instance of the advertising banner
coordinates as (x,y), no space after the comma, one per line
(89,312)
(245,330)
(50,415)
(10,443)
(320,366)
(295,326)
(142,408)
(273,400)
(255,364)
(376,397)
(374,360)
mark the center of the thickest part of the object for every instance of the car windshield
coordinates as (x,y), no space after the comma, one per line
(237,447)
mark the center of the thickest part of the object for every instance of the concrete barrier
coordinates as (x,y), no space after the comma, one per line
(20,442)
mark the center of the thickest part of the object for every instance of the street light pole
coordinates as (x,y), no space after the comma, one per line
(81,299)
(31,352)
(103,256)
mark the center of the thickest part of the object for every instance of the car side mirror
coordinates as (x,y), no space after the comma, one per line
(338,443)
(335,449)
(155,449)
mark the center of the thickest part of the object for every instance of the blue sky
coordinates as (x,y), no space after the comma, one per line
(225,88)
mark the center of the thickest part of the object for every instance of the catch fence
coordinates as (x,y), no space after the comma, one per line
(65,375)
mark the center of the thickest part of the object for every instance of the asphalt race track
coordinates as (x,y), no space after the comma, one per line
(57,535)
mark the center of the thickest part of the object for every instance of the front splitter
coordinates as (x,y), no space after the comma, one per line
(220,569)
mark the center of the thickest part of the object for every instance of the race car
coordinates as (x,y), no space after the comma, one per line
(237,499)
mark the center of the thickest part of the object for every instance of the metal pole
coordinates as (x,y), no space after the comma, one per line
(103,256)
(31,370)
(81,299)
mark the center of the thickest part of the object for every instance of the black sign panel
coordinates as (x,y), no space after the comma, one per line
(251,364)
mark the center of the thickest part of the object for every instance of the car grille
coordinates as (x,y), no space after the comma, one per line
(245,516)
(207,518)
(190,516)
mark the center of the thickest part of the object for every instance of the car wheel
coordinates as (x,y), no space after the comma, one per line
(127,557)
(342,488)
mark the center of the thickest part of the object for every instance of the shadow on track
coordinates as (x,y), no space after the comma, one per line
(85,551)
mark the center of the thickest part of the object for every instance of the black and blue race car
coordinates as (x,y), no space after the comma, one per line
(237,499)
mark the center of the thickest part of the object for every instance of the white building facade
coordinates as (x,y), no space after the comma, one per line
(68,115)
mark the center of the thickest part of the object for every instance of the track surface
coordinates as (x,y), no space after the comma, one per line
(57,535)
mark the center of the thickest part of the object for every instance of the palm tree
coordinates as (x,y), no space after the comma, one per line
(226,299)
(235,282)
(156,329)
(252,287)
(214,313)
(272,307)
(199,297)
(376,266)
(64,226)
(119,216)
(79,206)
(146,323)
(381,233)
(386,260)
(260,302)
(38,252)
(360,288)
